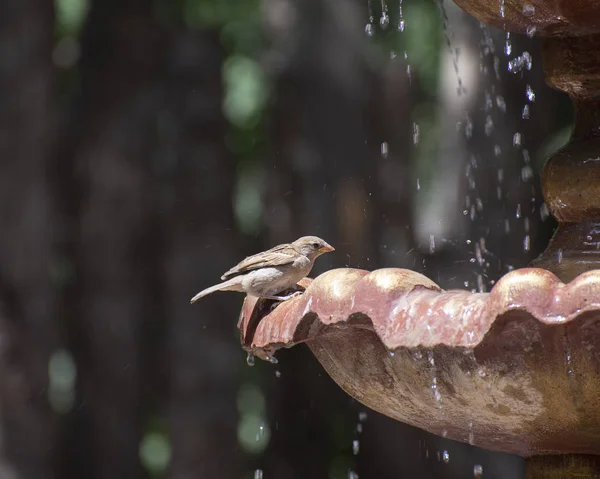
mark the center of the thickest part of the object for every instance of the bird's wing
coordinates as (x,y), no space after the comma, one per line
(278,256)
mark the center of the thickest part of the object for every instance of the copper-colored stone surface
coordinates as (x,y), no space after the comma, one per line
(550,17)
(573,250)
(515,370)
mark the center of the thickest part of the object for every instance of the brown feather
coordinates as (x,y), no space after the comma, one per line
(278,256)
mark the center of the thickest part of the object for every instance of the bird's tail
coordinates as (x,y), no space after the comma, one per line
(232,284)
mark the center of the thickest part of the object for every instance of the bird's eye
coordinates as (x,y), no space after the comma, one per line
(315,245)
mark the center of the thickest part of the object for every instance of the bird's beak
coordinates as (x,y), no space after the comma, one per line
(326,249)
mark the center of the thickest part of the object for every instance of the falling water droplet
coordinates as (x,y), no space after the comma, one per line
(530,31)
(501,103)
(416,134)
(250,359)
(362,416)
(369,30)
(507,45)
(272,359)
(526,243)
(277,373)
(446,457)
(529,93)
(258,474)
(502,12)
(468,128)
(518,213)
(525,114)
(384,149)
(431,244)
(544,212)
(497,150)
(517,139)
(418,184)
(352,474)
(384,21)
(355,447)
(559,256)
(400,17)
(478,470)
(489,125)
(568,361)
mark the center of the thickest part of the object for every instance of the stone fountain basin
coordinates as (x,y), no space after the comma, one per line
(514,370)
(555,17)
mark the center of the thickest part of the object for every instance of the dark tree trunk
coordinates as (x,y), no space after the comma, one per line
(113,131)
(196,212)
(27,328)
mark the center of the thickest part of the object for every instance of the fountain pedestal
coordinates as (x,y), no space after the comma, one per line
(571,177)
(516,369)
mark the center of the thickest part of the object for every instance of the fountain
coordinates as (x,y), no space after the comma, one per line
(516,369)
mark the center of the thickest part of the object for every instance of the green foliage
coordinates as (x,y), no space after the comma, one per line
(420,38)
(245,91)
(155,448)
(70,15)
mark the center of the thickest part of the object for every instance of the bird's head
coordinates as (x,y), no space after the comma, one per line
(312,246)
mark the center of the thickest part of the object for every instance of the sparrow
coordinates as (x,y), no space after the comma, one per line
(265,274)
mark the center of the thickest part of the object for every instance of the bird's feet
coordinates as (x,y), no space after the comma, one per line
(281,299)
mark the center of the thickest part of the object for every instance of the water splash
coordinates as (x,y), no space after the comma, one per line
(400,17)
(520,63)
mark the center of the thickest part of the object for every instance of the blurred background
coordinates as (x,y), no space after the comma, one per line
(146,146)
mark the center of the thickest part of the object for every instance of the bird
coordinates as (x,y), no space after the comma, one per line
(270,272)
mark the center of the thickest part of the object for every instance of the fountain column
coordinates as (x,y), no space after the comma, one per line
(571,177)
